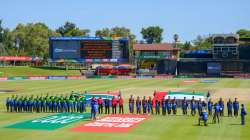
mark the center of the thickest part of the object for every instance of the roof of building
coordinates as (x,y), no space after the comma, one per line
(154,47)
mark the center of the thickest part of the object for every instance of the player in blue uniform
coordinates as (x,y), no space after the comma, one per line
(184,106)
(157,106)
(203,117)
(163,106)
(199,106)
(8,104)
(216,113)
(210,107)
(236,107)
(138,105)
(94,108)
(193,107)
(169,105)
(174,106)
(221,104)
(243,114)
(131,104)
(144,105)
(150,105)
(230,108)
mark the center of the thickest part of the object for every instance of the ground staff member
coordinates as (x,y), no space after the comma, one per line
(243,113)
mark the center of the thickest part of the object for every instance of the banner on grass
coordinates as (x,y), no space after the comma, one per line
(51,122)
(112,123)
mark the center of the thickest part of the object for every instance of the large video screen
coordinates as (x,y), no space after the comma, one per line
(66,50)
(96,49)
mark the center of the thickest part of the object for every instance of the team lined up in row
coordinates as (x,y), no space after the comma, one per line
(168,106)
(46,104)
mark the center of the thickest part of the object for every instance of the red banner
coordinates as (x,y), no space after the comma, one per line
(15,58)
(3,78)
(38,77)
(75,77)
(112,123)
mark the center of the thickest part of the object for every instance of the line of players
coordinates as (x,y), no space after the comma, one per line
(46,104)
(168,106)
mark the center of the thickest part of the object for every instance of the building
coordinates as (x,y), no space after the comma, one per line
(225,46)
(156,58)
(230,57)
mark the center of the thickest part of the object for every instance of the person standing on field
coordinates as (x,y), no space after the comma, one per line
(107,105)
(150,105)
(229,108)
(121,111)
(210,107)
(184,106)
(216,113)
(138,105)
(174,106)
(193,107)
(100,105)
(236,107)
(131,104)
(243,113)
(221,104)
(144,105)
(114,105)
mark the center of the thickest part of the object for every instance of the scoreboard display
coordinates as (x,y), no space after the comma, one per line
(89,49)
(96,49)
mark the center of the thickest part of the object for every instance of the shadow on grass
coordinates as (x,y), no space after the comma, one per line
(234,124)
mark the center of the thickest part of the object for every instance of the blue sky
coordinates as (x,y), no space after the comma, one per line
(188,18)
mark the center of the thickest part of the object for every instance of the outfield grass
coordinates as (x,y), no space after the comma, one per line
(35,71)
(157,127)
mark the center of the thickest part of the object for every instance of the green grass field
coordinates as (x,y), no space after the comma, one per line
(157,127)
(35,71)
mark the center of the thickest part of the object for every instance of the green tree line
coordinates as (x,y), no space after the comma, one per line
(32,38)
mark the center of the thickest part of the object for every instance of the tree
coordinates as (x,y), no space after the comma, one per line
(243,33)
(152,34)
(105,32)
(202,42)
(32,39)
(70,29)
